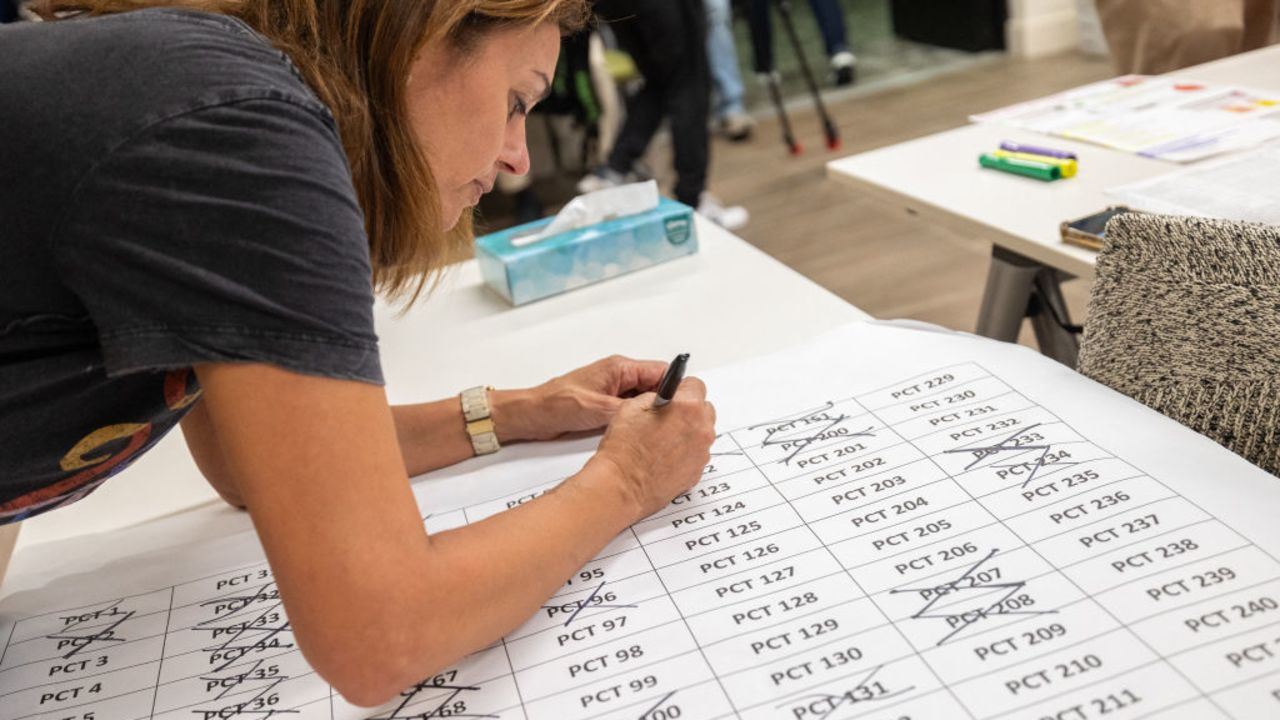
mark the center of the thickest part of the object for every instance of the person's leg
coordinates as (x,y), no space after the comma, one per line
(680,76)
(612,114)
(761,36)
(688,100)
(830,17)
(635,23)
(722,56)
(644,115)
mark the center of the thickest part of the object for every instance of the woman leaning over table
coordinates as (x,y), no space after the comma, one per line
(201,197)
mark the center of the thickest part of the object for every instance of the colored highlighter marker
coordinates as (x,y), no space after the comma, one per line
(1011,146)
(1028,168)
(1068,168)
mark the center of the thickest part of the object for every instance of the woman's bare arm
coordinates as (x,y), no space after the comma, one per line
(375,603)
(202,441)
(431,436)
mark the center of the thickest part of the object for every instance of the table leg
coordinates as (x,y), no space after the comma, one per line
(1019,287)
(1050,319)
(1010,280)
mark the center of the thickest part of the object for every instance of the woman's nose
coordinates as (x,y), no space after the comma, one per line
(514,158)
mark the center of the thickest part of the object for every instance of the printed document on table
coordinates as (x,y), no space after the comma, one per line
(1240,187)
(895,523)
(1172,119)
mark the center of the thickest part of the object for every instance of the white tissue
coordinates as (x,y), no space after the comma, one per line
(597,207)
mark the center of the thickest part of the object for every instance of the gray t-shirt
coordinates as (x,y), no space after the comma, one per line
(171,192)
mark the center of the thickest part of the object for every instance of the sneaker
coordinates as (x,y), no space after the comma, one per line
(601,178)
(604,177)
(729,217)
(844,64)
(639,172)
(737,126)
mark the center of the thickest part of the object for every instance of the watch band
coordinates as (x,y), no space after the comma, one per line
(476,413)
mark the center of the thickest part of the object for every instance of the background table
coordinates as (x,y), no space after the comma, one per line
(727,302)
(937,179)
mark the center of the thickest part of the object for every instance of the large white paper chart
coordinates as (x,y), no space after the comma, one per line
(894,524)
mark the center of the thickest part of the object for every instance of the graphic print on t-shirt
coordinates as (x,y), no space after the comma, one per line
(108,449)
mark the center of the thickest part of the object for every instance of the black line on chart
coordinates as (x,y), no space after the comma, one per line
(656,705)
(961,621)
(850,696)
(582,604)
(105,635)
(440,710)
(802,440)
(232,653)
(982,452)
(240,708)
(236,603)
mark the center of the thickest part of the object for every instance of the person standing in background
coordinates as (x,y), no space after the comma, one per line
(830,18)
(731,116)
(667,39)
(1156,36)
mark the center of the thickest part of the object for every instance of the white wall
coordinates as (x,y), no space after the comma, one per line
(1036,28)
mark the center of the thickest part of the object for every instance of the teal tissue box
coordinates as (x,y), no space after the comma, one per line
(524,273)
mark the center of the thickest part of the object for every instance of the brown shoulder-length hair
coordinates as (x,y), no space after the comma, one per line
(356,55)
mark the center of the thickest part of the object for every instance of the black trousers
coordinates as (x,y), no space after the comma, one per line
(668,41)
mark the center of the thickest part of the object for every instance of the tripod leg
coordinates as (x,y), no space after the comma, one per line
(762,48)
(828,127)
(775,95)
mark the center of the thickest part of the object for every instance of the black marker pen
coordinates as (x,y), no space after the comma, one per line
(671,380)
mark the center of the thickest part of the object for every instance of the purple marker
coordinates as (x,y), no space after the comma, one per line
(1034,150)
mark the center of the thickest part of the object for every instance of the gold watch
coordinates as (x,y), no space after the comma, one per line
(476,413)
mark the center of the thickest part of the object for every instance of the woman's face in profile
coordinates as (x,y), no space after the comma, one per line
(469,109)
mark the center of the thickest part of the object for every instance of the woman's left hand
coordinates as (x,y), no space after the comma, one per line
(585,399)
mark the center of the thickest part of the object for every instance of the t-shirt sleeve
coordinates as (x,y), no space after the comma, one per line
(229,233)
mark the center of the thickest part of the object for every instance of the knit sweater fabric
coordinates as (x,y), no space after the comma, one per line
(1185,318)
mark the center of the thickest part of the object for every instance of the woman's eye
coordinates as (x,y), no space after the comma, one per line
(518,108)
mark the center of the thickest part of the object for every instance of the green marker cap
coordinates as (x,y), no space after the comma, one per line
(1018,166)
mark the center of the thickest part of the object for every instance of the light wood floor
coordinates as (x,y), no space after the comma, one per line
(876,257)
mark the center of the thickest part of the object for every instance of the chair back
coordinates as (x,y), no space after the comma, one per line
(1185,318)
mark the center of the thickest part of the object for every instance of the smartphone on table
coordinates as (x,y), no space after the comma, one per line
(1089,231)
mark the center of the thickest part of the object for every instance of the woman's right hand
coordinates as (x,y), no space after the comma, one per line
(658,453)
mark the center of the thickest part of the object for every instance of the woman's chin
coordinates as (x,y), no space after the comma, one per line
(453,217)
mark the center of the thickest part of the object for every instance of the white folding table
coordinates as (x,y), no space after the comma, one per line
(937,179)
